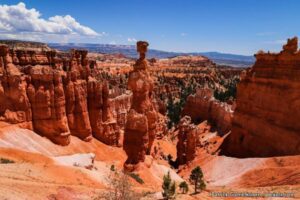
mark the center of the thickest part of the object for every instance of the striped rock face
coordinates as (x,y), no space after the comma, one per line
(266,119)
(57,95)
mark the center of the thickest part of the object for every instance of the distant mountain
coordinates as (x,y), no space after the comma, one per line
(130,51)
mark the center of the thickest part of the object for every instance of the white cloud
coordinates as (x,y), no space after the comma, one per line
(17,21)
(131,40)
(183,34)
(113,42)
(70,24)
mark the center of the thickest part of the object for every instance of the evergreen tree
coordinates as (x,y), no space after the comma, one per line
(184,187)
(196,178)
(169,187)
(174,108)
(170,114)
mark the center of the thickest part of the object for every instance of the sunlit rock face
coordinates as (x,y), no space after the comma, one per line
(46,94)
(142,118)
(203,106)
(187,140)
(57,95)
(266,119)
(14,103)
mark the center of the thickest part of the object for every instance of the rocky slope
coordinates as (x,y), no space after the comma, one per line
(61,172)
(266,118)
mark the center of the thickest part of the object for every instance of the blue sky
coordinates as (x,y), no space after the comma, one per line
(231,26)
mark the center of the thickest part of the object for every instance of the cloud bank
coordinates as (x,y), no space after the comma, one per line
(17,21)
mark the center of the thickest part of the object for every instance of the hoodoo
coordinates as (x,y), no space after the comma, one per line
(266,119)
(142,118)
(187,140)
(57,94)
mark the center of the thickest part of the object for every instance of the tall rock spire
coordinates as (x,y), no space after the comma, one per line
(142,117)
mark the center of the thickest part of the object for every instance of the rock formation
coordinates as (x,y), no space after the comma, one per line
(76,96)
(141,120)
(57,95)
(14,103)
(203,106)
(266,119)
(46,94)
(187,140)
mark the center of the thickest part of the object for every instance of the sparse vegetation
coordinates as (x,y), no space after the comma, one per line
(174,108)
(196,178)
(112,168)
(184,187)
(6,161)
(229,92)
(136,177)
(119,188)
(169,187)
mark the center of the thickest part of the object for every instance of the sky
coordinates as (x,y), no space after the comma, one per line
(228,26)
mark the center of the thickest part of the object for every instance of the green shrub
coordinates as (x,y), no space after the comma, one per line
(6,161)
(169,187)
(174,108)
(136,177)
(230,91)
(112,168)
(196,178)
(184,187)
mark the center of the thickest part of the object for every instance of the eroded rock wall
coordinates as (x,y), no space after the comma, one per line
(203,106)
(14,103)
(57,95)
(266,119)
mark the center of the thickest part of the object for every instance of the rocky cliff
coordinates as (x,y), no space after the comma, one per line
(203,106)
(266,119)
(57,95)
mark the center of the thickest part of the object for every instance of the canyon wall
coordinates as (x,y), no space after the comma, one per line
(266,119)
(59,94)
(203,106)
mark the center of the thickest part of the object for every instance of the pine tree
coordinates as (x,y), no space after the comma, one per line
(196,178)
(170,114)
(184,187)
(169,187)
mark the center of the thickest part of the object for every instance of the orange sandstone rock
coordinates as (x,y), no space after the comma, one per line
(14,103)
(266,119)
(187,140)
(141,120)
(47,97)
(56,94)
(203,106)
